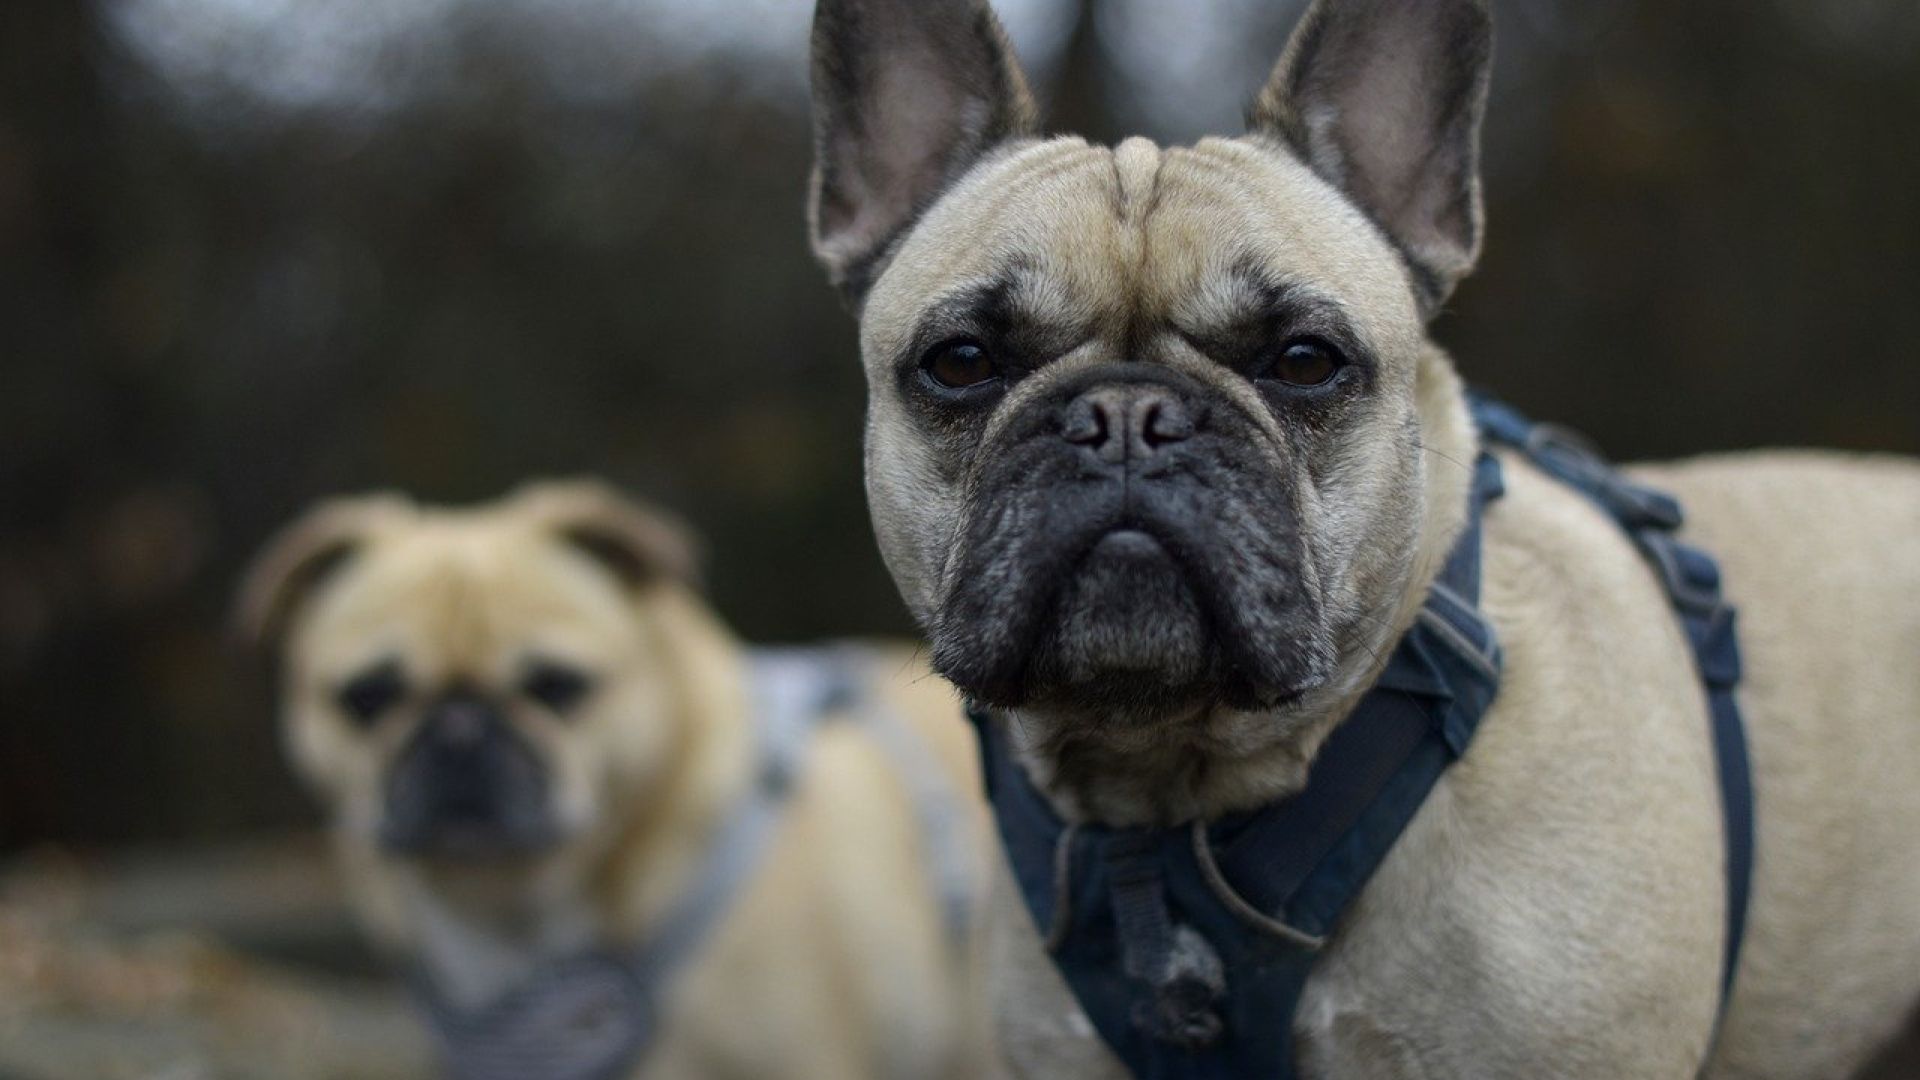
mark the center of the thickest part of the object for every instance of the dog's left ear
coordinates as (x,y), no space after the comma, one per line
(303,557)
(1383,98)
(907,95)
(638,544)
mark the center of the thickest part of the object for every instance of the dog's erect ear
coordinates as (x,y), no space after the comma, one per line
(1383,98)
(638,544)
(303,555)
(907,95)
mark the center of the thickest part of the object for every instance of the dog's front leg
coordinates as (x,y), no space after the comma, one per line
(1043,1033)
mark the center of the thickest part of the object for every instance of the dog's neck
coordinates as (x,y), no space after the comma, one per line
(1223,761)
(478,933)
(665,835)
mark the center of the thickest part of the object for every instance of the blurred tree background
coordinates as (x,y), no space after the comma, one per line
(253,252)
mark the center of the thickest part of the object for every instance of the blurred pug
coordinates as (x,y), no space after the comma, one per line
(606,838)
(1161,455)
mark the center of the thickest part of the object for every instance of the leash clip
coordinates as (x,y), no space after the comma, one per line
(1185,972)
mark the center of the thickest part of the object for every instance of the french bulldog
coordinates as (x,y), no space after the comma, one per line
(530,731)
(1164,460)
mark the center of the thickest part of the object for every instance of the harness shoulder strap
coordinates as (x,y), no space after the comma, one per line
(939,808)
(1691,580)
(790,698)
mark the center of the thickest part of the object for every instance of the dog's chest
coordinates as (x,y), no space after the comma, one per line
(1339,1030)
(1042,1028)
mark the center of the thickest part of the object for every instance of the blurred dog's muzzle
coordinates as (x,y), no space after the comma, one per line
(467,787)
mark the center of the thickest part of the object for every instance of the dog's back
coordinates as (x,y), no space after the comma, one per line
(1821,554)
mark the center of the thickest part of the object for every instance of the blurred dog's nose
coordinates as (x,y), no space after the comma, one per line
(466,785)
(1126,421)
(468,756)
(461,724)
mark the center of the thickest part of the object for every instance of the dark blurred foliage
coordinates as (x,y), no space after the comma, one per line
(217,305)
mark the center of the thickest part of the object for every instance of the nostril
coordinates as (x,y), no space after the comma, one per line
(1164,421)
(1085,424)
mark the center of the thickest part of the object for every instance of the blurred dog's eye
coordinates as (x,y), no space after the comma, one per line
(555,686)
(959,364)
(368,696)
(1302,362)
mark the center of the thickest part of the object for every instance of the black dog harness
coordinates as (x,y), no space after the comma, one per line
(1189,947)
(594,1016)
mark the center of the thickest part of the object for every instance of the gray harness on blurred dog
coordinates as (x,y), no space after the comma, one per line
(594,1015)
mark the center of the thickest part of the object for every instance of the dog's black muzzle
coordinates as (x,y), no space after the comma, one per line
(1130,532)
(466,786)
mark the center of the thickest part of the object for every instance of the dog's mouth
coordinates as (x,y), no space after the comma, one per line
(1128,548)
(1127,605)
(475,831)
(466,788)
(1128,632)
(1135,619)
(469,842)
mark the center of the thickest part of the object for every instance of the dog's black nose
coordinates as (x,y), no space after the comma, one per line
(1119,422)
(465,784)
(461,724)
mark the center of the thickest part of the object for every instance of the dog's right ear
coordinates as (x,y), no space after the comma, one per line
(1384,98)
(639,544)
(907,95)
(303,556)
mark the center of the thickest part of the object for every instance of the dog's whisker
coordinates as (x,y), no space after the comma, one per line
(1456,462)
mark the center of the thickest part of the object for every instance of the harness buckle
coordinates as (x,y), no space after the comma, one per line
(1691,579)
(1640,507)
(1574,458)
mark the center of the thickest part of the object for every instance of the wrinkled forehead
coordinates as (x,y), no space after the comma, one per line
(1065,232)
(466,596)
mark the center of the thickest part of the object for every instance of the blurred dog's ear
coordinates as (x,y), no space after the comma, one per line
(303,556)
(639,544)
(907,96)
(1384,98)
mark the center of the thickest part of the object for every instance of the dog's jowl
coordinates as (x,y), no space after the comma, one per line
(605,839)
(1162,457)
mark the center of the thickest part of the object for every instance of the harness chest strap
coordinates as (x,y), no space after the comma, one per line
(1189,947)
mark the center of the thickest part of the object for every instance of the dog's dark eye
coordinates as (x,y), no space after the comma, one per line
(1302,362)
(556,686)
(370,695)
(959,364)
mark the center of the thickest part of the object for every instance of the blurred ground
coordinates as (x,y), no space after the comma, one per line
(229,965)
(233,964)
